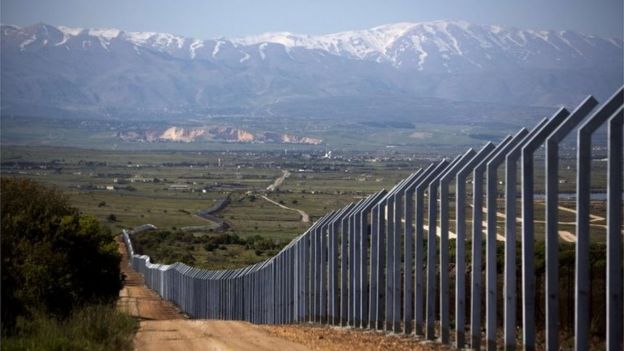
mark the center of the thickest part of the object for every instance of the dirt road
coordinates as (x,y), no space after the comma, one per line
(285,174)
(278,181)
(305,218)
(189,335)
(163,327)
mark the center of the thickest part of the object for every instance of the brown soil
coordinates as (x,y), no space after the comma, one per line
(189,335)
(321,337)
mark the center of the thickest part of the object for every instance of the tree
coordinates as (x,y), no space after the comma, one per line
(53,259)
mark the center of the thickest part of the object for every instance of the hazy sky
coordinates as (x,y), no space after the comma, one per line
(230,18)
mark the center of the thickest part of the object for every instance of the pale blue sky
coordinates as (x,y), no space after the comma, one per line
(230,18)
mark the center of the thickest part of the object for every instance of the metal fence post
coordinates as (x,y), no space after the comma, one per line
(511,158)
(389,263)
(527,216)
(419,297)
(334,271)
(396,263)
(491,286)
(552,234)
(477,234)
(380,276)
(431,252)
(460,230)
(364,302)
(615,295)
(444,243)
(583,188)
(408,249)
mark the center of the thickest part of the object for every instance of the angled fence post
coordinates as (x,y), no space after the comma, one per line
(460,230)
(362,290)
(380,276)
(615,295)
(344,302)
(528,235)
(491,237)
(396,262)
(354,291)
(373,316)
(444,243)
(510,156)
(389,263)
(355,264)
(325,276)
(583,189)
(431,252)
(396,248)
(477,236)
(318,277)
(490,266)
(307,266)
(351,266)
(334,275)
(552,234)
(419,297)
(378,261)
(386,254)
(408,249)
(344,265)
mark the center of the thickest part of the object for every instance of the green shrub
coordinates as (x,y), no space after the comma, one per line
(53,259)
(94,327)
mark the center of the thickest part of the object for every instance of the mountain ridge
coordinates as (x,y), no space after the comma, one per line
(377,42)
(105,70)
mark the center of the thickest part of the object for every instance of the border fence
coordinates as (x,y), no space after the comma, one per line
(378,264)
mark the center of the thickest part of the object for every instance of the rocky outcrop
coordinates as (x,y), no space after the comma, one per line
(219,133)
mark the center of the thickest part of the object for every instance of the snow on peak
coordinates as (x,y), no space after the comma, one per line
(196,44)
(70,31)
(158,40)
(285,38)
(416,45)
(105,33)
(372,43)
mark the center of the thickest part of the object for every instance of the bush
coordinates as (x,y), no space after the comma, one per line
(94,327)
(53,259)
(210,246)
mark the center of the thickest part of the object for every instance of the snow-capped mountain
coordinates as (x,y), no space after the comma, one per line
(437,44)
(110,69)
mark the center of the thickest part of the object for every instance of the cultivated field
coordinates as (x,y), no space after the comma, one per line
(168,189)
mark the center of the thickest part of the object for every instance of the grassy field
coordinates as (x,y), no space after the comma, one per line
(92,327)
(167,188)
